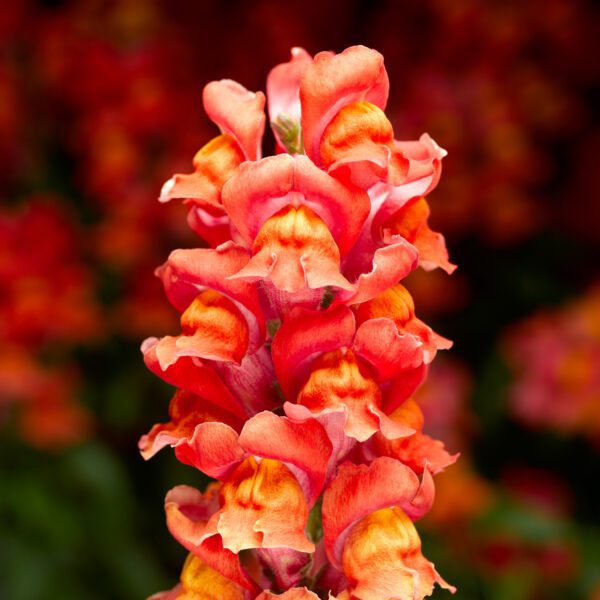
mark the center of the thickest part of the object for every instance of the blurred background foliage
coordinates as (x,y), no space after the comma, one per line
(100,104)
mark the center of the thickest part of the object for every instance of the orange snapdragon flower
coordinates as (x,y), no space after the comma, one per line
(298,350)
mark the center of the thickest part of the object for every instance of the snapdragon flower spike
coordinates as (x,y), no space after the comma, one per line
(299,351)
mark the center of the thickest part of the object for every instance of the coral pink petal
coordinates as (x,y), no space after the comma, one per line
(186,411)
(238,113)
(188,272)
(170,349)
(424,171)
(303,447)
(425,163)
(432,342)
(304,334)
(390,264)
(212,226)
(261,189)
(283,85)
(334,81)
(213,449)
(411,222)
(403,387)
(391,429)
(295,250)
(358,491)
(293,270)
(333,422)
(193,185)
(423,500)
(187,513)
(417,451)
(192,375)
(389,352)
